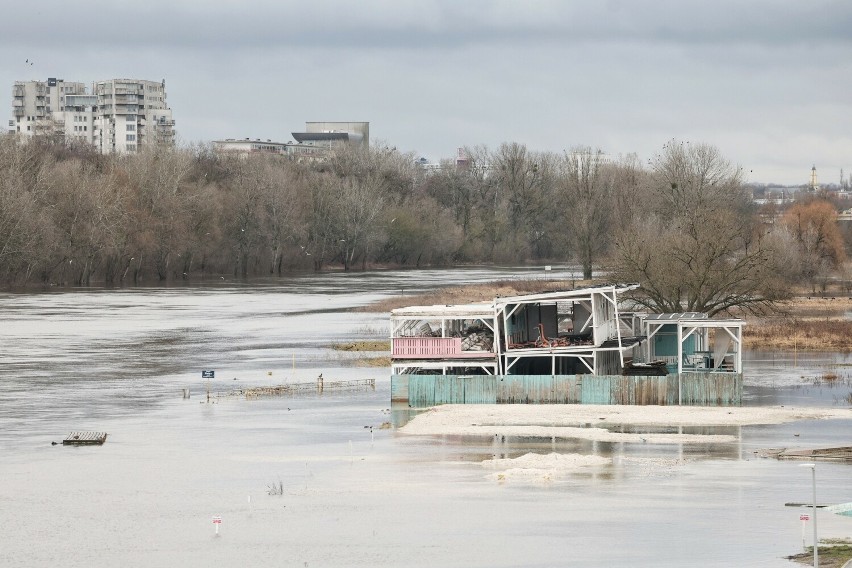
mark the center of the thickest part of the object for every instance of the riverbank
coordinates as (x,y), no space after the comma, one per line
(808,324)
(801,323)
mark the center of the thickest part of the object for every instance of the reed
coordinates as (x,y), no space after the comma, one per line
(799,334)
(362,346)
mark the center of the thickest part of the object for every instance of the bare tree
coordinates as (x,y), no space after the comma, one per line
(586,191)
(700,250)
(813,226)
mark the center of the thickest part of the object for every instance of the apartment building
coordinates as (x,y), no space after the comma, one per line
(131,114)
(117,116)
(52,108)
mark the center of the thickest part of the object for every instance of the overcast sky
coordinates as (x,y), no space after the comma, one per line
(768,82)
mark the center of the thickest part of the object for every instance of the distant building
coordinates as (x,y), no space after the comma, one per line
(131,114)
(247,146)
(314,143)
(332,134)
(52,108)
(813,185)
(118,116)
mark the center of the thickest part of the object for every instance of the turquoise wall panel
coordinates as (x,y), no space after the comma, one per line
(479,389)
(421,390)
(399,388)
(665,342)
(698,389)
(596,390)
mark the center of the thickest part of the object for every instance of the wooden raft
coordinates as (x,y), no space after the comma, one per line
(85,439)
(828,454)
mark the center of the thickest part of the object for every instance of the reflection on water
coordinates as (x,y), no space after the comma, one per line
(117,361)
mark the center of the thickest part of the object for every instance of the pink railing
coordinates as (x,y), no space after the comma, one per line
(432,348)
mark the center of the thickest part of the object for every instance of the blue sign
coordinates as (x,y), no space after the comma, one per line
(208,374)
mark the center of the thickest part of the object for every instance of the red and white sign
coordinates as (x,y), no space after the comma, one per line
(217,520)
(804,517)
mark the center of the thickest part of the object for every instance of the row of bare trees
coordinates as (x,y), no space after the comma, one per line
(683,225)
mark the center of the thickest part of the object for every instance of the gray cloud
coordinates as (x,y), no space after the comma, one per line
(437,24)
(767,82)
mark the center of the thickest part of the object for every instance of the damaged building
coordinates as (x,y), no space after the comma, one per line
(556,346)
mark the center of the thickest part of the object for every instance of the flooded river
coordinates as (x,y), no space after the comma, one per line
(117,361)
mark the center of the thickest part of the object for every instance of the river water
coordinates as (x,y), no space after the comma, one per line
(117,361)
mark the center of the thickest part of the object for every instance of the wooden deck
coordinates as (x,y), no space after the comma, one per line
(85,439)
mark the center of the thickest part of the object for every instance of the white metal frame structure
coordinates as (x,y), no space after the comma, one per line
(726,348)
(603,320)
(406,323)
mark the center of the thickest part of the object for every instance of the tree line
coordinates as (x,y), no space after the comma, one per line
(682,224)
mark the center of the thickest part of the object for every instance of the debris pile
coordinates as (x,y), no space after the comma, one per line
(478,342)
(652,369)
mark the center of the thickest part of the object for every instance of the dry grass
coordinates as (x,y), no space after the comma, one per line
(373,362)
(474,293)
(808,324)
(831,555)
(794,333)
(362,346)
(810,307)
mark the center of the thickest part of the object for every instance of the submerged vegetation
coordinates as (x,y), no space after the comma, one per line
(362,346)
(833,553)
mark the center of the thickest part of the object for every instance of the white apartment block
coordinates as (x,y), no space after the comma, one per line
(131,114)
(118,116)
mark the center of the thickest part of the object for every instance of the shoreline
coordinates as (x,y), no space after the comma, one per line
(593,422)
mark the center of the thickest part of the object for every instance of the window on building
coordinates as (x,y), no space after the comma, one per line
(130,117)
(131,138)
(28,128)
(131,127)
(85,128)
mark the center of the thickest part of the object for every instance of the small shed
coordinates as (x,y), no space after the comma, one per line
(692,342)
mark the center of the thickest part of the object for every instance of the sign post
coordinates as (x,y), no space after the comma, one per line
(217,520)
(804,519)
(208,374)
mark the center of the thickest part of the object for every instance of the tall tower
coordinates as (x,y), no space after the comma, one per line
(814,185)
